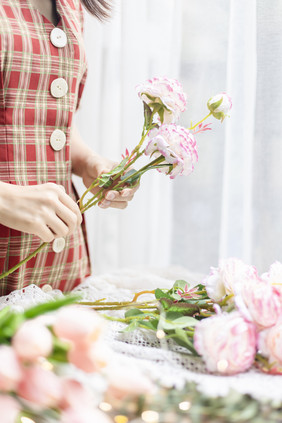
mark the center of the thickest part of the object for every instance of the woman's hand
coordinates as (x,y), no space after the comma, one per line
(94,167)
(43,210)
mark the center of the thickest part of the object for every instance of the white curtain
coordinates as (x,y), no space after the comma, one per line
(231,204)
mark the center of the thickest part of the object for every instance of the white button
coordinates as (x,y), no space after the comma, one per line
(59,87)
(58,37)
(58,245)
(58,139)
(47,288)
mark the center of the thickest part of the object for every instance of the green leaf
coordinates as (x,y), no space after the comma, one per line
(105,180)
(182,339)
(134,312)
(180,323)
(133,179)
(150,324)
(214,106)
(130,328)
(147,115)
(50,306)
(12,323)
(161,294)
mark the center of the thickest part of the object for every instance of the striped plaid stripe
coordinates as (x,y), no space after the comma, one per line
(29,62)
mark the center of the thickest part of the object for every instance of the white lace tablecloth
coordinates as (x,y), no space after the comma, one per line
(167,363)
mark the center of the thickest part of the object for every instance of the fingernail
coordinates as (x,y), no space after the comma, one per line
(110,195)
(125,192)
(105,204)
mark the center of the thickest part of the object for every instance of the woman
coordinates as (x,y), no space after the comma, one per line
(42,75)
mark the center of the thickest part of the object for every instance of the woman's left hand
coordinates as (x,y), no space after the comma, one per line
(94,167)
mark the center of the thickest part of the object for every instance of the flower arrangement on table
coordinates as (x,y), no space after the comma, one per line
(233,319)
(171,148)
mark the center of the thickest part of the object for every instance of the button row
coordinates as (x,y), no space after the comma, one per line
(58,89)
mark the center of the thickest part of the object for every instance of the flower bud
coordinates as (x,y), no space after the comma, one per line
(220,105)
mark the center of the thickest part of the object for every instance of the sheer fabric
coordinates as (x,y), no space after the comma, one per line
(230,205)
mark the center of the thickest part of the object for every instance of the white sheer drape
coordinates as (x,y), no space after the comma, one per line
(231,204)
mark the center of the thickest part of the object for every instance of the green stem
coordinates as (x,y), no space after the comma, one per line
(23,261)
(125,307)
(195,126)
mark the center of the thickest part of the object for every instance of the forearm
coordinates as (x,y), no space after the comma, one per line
(80,153)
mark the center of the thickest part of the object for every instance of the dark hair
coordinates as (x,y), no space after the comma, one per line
(99,8)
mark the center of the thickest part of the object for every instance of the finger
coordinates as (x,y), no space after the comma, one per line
(57,226)
(45,234)
(113,204)
(67,216)
(71,205)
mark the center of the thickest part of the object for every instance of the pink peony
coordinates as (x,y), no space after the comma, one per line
(32,340)
(270,346)
(84,415)
(90,358)
(165,91)
(274,277)
(223,280)
(9,409)
(220,105)
(10,371)
(258,302)
(178,147)
(40,387)
(226,342)
(78,325)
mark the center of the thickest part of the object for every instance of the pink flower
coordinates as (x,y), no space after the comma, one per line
(258,302)
(40,387)
(226,342)
(10,371)
(127,381)
(84,415)
(220,105)
(10,409)
(178,147)
(270,346)
(188,293)
(32,340)
(165,91)
(90,358)
(223,279)
(274,277)
(78,325)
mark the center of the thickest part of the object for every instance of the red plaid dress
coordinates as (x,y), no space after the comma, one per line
(29,114)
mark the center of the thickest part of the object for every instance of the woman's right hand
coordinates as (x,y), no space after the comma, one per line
(43,210)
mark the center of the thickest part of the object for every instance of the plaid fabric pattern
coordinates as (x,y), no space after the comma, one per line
(29,62)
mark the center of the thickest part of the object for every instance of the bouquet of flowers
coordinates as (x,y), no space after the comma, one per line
(171,148)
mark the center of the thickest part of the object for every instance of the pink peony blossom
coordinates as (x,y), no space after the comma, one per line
(270,346)
(178,147)
(165,91)
(274,277)
(258,302)
(9,409)
(220,105)
(32,340)
(90,358)
(226,342)
(223,279)
(40,387)
(10,371)
(84,415)
(78,325)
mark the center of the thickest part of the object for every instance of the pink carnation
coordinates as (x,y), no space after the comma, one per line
(224,279)
(84,415)
(178,147)
(270,346)
(226,342)
(168,92)
(259,302)
(274,277)
(90,358)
